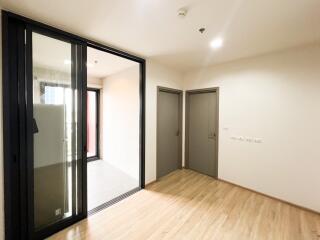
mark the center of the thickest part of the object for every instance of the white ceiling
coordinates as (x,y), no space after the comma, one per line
(151,28)
(102,64)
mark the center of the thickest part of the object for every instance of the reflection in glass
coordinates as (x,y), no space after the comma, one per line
(55,137)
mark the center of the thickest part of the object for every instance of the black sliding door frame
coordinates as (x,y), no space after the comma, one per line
(17,83)
(15,200)
(21,213)
(97,92)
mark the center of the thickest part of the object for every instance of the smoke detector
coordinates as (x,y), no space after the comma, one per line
(202,30)
(182,12)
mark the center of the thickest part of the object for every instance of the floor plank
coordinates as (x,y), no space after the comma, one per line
(189,205)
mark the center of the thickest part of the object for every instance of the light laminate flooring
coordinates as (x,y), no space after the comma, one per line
(189,205)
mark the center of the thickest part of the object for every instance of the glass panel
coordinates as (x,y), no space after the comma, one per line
(56,142)
(92,123)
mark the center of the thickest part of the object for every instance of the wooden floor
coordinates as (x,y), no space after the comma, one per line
(188,205)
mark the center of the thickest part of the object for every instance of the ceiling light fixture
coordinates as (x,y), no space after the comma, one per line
(67,62)
(216,43)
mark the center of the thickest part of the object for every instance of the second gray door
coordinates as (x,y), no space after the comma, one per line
(202,132)
(168,132)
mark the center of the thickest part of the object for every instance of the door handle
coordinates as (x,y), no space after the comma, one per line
(177,133)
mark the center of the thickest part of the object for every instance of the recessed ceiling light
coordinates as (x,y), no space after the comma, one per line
(216,43)
(67,62)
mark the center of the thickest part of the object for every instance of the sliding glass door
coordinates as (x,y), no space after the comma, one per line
(45,127)
(55,133)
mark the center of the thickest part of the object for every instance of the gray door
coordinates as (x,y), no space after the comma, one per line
(168,133)
(202,133)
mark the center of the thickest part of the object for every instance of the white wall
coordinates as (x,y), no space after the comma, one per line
(274,98)
(121,109)
(156,75)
